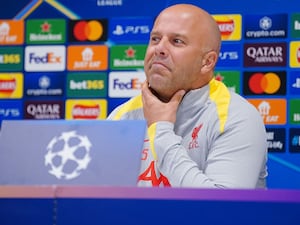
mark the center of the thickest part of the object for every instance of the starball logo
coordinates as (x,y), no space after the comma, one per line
(265,83)
(265,54)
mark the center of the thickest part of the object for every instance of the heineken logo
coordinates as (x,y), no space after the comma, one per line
(45,31)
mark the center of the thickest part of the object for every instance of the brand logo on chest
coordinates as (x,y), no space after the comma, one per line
(194,142)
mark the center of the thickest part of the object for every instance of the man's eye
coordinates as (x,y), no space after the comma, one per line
(154,39)
(178,41)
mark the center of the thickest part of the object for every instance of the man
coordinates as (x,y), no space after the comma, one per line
(199,133)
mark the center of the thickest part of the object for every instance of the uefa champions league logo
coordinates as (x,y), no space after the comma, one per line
(68,155)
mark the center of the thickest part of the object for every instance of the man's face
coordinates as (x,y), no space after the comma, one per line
(173,59)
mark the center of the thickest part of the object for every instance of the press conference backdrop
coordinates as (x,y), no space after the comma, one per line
(73,59)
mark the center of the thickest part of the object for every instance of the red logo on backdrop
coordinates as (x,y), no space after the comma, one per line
(85,112)
(226,27)
(8,86)
(298,55)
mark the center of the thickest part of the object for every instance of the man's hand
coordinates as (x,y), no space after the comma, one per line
(156,110)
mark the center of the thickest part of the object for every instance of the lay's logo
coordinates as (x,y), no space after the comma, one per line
(295,54)
(86,109)
(11,85)
(230,26)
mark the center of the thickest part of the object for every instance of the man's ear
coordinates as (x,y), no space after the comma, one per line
(209,61)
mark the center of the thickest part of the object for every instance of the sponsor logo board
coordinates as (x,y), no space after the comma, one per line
(84,57)
(295,54)
(265,54)
(294,111)
(230,78)
(276,139)
(44,84)
(88,30)
(124,57)
(87,84)
(11,59)
(125,84)
(265,26)
(45,31)
(86,109)
(264,83)
(130,29)
(11,85)
(45,58)
(11,32)
(44,110)
(272,111)
(230,26)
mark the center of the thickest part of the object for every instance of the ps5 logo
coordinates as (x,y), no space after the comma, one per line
(9,112)
(120,30)
(228,55)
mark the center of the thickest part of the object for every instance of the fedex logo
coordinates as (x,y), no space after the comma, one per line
(132,84)
(125,84)
(48,58)
(45,58)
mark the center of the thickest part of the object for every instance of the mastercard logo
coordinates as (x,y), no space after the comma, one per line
(268,83)
(89,30)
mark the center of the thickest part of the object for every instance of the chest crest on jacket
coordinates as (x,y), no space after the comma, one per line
(194,142)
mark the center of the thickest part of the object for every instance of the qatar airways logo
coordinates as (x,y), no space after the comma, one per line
(45,58)
(265,54)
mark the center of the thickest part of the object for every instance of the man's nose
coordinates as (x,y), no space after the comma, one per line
(161,48)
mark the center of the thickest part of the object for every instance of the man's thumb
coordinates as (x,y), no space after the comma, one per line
(178,96)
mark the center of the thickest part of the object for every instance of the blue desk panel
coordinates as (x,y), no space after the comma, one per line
(85,205)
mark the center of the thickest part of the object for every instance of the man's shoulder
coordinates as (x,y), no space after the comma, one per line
(127,108)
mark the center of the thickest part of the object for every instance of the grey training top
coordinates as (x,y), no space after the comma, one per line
(218,141)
